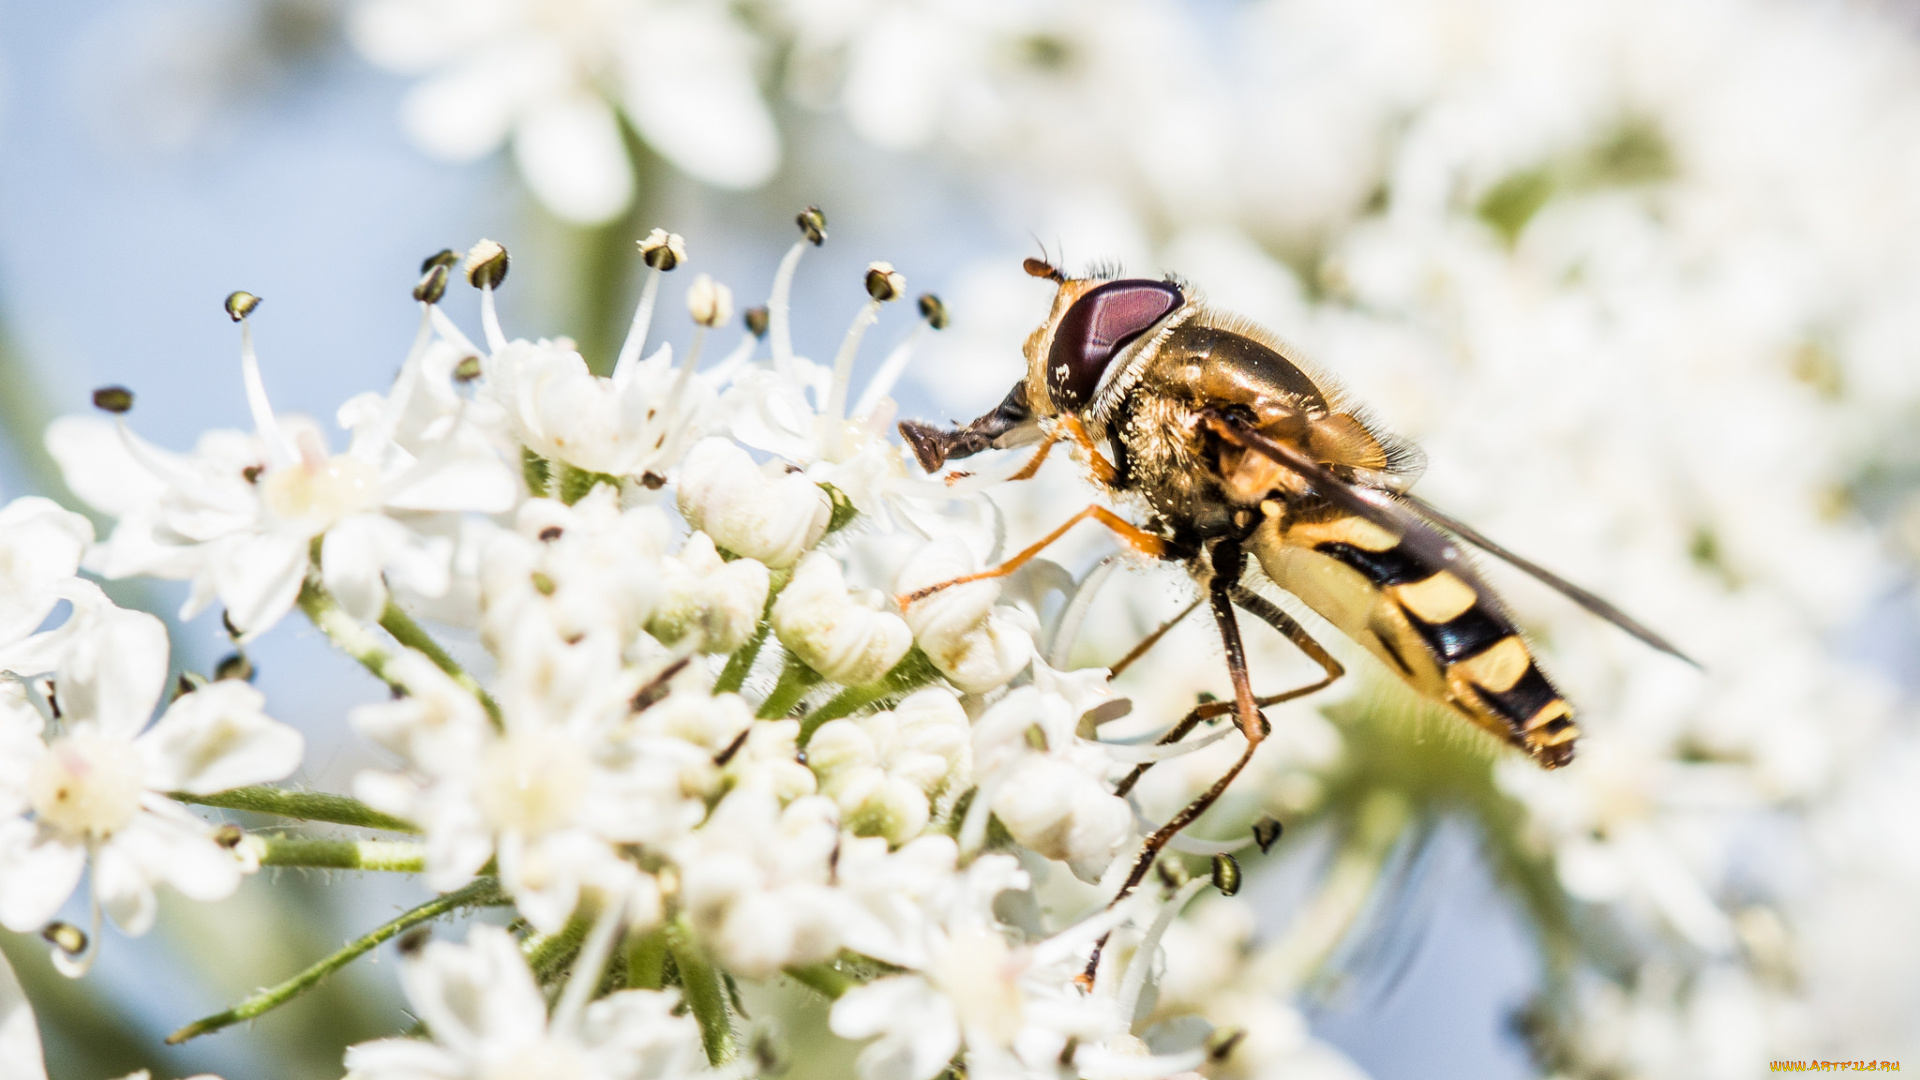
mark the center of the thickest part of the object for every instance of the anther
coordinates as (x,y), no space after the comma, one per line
(468,369)
(543,584)
(251,474)
(813,225)
(229,836)
(663,250)
(446,257)
(241,304)
(1221,1044)
(66,937)
(884,283)
(486,265)
(756,320)
(551,533)
(1226,874)
(113,399)
(709,302)
(433,286)
(234,666)
(932,310)
(1266,833)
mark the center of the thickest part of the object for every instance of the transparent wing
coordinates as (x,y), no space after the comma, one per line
(1420,525)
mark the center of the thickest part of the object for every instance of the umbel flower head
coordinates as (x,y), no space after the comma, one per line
(706,745)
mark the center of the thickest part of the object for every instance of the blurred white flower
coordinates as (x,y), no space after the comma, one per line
(40,549)
(719,603)
(93,785)
(756,881)
(561,81)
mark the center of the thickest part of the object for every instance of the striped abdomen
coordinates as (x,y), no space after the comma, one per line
(1442,631)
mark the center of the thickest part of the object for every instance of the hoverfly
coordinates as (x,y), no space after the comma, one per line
(1240,455)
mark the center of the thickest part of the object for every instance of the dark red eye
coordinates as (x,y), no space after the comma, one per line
(1097,326)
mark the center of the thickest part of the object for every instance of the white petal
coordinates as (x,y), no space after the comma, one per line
(36,876)
(404,1059)
(216,739)
(123,887)
(461,116)
(570,152)
(175,848)
(476,993)
(97,466)
(259,579)
(40,543)
(20,1054)
(352,556)
(115,664)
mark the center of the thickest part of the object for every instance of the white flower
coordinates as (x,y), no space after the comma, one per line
(95,787)
(682,75)
(589,567)
(755,882)
(547,794)
(1013,1006)
(975,644)
(834,632)
(1046,785)
(884,769)
(238,516)
(488,1019)
(761,512)
(718,601)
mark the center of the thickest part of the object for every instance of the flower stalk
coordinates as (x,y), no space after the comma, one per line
(301,805)
(703,990)
(483,892)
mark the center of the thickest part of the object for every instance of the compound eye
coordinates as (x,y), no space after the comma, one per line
(1097,327)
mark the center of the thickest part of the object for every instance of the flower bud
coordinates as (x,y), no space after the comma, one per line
(932,310)
(663,250)
(813,225)
(770,518)
(719,601)
(113,399)
(240,304)
(832,632)
(709,302)
(757,321)
(486,265)
(884,283)
(975,644)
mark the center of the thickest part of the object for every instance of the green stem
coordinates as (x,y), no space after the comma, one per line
(829,980)
(535,470)
(395,856)
(394,620)
(303,805)
(347,633)
(574,483)
(740,664)
(796,678)
(481,893)
(912,672)
(647,960)
(705,994)
(549,954)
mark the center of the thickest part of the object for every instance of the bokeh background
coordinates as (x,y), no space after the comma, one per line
(1642,277)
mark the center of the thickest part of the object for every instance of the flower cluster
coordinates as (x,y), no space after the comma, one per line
(709,746)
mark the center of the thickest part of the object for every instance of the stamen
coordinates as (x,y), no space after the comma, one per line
(280,450)
(402,395)
(1181,842)
(642,322)
(1135,755)
(836,409)
(1067,630)
(1136,977)
(444,326)
(490,320)
(777,305)
(741,356)
(76,966)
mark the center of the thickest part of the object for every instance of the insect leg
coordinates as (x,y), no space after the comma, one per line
(1150,641)
(1138,538)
